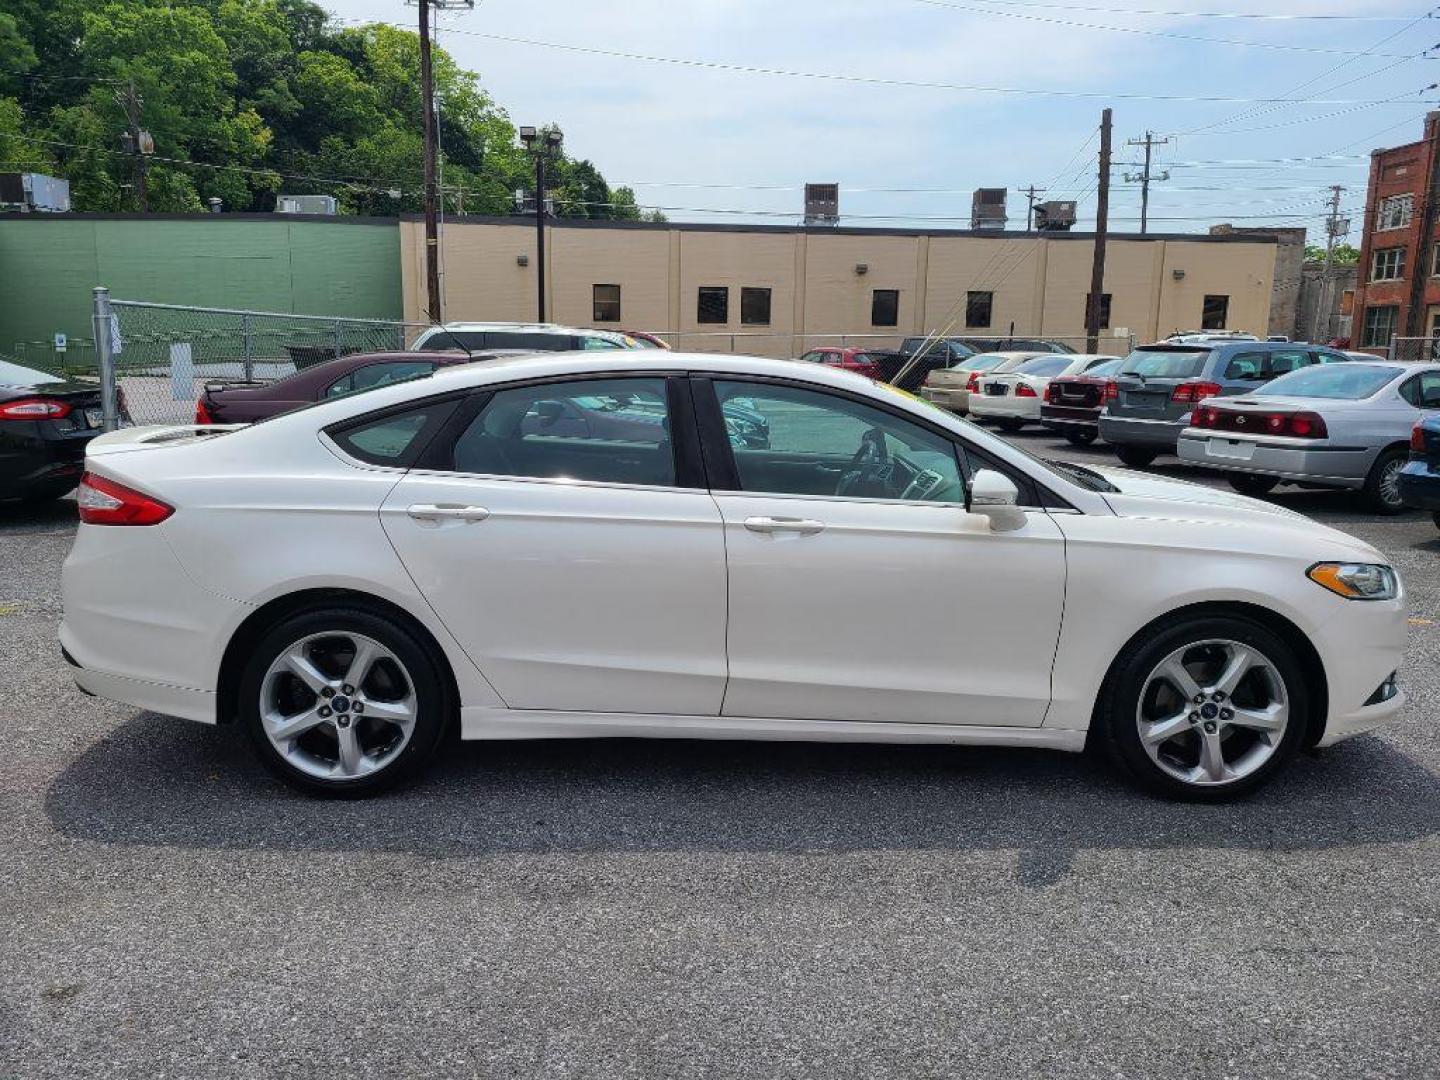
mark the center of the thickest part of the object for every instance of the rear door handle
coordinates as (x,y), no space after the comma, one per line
(803,526)
(446,512)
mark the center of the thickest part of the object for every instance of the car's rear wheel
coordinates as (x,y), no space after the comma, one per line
(1254,486)
(1009,423)
(1382,486)
(1136,457)
(1435,517)
(1083,437)
(1207,709)
(343,701)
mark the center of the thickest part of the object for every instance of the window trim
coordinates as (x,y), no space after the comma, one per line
(1365,341)
(725,476)
(1398,252)
(1400,199)
(595,302)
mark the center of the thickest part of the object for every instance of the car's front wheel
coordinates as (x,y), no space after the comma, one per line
(1206,709)
(343,701)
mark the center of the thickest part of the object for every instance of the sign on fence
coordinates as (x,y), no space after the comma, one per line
(182,371)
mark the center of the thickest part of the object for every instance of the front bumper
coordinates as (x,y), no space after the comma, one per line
(1132,431)
(1290,459)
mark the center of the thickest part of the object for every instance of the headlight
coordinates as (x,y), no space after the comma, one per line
(1356,581)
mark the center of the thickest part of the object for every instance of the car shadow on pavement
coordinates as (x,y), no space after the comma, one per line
(161,782)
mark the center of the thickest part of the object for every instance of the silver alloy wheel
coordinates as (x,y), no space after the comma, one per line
(338,705)
(1212,712)
(1390,482)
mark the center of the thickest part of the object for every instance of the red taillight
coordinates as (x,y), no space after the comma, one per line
(1025,390)
(1051,393)
(1112,390)
(1300,425)
(1206,416)
(202,414)
(104,502)
(1195,391)
(1417,438)
(34,409)
(972,384)
(1306,425)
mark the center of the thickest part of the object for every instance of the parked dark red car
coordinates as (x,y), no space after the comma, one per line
(1073,402)
(854,358)
(244,403)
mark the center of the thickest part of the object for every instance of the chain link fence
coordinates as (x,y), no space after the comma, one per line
(793,345)
(1415,350)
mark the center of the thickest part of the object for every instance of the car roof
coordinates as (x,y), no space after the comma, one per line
(522,328)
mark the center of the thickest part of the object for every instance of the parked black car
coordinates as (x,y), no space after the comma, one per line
(904,370)
(1014,344)
(1420,479)
(45,423)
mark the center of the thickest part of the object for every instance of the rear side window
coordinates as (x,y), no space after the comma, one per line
(1165,363)
(1245,365)
(373,375)
(394,439)
(1043,366)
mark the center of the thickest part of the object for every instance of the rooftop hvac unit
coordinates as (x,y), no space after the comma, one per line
(822,204)
(1055,216)
(987,208)
(306,204)
(35,191)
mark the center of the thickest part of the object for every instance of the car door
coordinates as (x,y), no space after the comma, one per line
(561,532)
(860,588)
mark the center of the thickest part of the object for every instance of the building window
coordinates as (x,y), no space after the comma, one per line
(1104,311)
(754,306)
(1395,212)
(607,303)
(1435,261)
(1388,264)
(1215,313)
(885,307)
(1379,326)
(713,305)
(978,307)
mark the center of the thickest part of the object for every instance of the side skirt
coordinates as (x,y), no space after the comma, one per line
(487,723)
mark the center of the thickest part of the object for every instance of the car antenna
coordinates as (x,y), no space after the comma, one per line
(451,335)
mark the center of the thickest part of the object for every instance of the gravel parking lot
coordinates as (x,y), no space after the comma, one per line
(653,909)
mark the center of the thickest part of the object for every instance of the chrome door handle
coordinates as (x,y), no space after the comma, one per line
(803,526)
(446,512)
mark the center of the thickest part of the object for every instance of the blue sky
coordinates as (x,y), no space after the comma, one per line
(700,140)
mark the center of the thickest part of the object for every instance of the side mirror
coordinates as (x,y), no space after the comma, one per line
(996,496)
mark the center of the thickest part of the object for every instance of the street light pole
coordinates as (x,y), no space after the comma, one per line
(541,145)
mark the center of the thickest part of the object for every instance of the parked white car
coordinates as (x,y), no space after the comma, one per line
(950,388)
(534,337)
(565,546)
(1013,397)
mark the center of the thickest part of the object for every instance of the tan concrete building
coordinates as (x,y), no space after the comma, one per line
(778,290)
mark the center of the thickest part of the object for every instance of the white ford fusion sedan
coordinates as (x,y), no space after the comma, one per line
(711,547)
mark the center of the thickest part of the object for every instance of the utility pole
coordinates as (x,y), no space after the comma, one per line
(1149,142)
(1030,193)
(1102,226)
(427,106)
(137,143)
(541,144)
(1335,226)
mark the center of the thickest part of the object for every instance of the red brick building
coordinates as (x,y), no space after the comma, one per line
(1399,289)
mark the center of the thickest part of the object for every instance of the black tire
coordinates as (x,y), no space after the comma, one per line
(1137,457)
(1381,492)
(434,705)
(1435,517)
(1081,437)
(1117,729)
(1252,485)
(1010,424)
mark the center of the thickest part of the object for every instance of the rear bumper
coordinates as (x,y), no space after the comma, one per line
(1342,467)
(1069,416)
(1131,431)
(1005,407)
(1420,486)
(36,457)
(198,705)
(954,400)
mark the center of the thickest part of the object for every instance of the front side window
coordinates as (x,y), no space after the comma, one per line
(712,304)
(602,430)
(606,300)
(826,445)
(1395,212)
(978,308)
(1379,326)
(754,306)
(1388,264)
(885,307)
(1214,313)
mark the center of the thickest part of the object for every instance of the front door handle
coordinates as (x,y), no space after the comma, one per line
(446,512)
(768,525)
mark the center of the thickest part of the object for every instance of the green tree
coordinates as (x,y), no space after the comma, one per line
(1343,255)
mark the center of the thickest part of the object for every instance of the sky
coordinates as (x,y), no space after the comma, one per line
(892,120)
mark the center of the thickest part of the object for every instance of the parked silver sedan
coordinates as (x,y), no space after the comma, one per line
(1331,425)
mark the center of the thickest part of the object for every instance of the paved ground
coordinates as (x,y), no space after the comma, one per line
(687,910)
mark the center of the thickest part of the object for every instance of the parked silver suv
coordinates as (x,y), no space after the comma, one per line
(1149,400)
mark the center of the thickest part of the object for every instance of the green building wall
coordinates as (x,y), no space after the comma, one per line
(263,262)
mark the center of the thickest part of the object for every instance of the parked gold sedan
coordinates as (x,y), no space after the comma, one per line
(950,388)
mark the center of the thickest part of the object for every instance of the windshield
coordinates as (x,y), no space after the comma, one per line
(1349,382)
(1044,365)
(1165,363)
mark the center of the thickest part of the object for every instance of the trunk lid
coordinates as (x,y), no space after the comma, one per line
(154,436)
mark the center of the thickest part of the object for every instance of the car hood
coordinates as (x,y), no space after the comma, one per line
(1144,495)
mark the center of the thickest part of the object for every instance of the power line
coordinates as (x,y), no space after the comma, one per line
(1195,38)
(872,80)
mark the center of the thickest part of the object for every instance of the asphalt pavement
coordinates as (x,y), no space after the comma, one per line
(672,909)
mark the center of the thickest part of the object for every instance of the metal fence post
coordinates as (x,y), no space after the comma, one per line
(1390,351)
(105,354)
(337,337)
(249,350)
